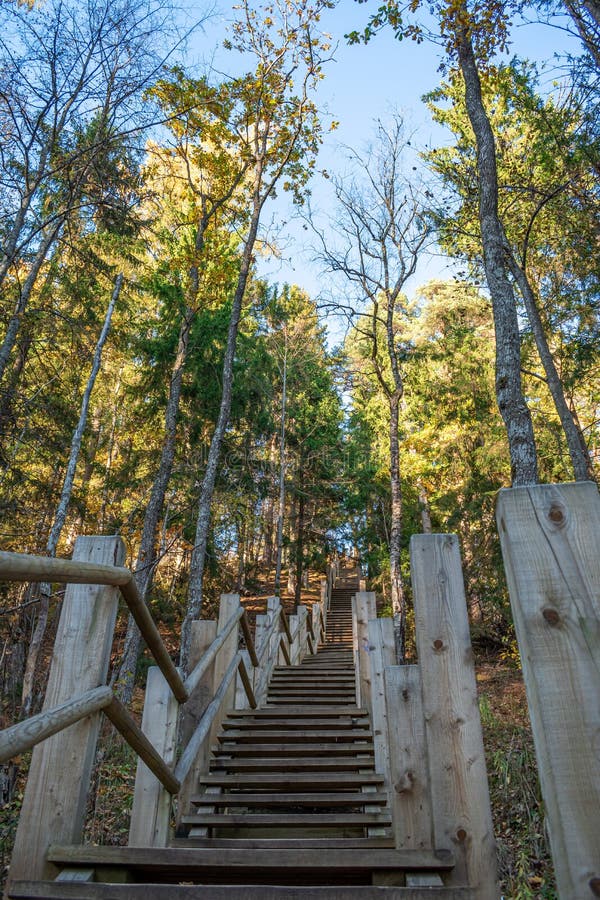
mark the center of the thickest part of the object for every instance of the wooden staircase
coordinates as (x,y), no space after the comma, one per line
(291,807)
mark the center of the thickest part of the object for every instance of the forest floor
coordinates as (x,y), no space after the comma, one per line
(524,861)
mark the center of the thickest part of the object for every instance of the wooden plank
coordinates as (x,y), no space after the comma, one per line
(24,735)
(52,890)
(286,820)
(381,654)
(229,606)
(151,811)
(259,857)
(365,610)
(59,777)
(462,819)
(409,787)
(262,639)
(323,798)
(549,537)
(203,633)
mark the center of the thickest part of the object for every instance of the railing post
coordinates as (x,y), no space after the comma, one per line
(364,603)
(275,652)
(462,819)
(59,777)
(323,601)
(203,633)
(549,536)
(151,811)
(409,784)
(381,654)
(230,604)
(298,629)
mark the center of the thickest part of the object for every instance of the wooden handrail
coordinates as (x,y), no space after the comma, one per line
(151,635)
(248,638)
(285,650)
(311,645)
(32,731)
(24,567)
(193,679)
(286,625)
(247,683)
(136,739)
(195,742)
(309,625)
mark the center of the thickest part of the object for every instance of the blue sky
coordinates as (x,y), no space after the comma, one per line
(363,84)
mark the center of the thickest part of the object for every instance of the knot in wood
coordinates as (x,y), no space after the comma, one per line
(551,616)
(556,514)
(461,835)
(438,644)
(595,886)
(405,694)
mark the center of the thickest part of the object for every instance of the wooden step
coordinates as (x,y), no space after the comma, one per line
(293,749)
(295,735)
(318,701)
(299,781)
(154,860)
(342,723)
(286,820)
(294,799)
(296,843)
(287,764)
(299,711)
(55,890)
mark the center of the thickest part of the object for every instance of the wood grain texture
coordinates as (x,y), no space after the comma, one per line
(229,606)
(24,735)
(409,787)
(53,890)
(151,811)
(203,633)
(365,610)
(462,820)
(59,777)
(382,653)
(549,536)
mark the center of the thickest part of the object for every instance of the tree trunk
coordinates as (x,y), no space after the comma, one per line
(398,606)
(144,570)
(509,394)
(15,320)
(580,458)
(63,506)
(281,512)
(194,604)
(299,547)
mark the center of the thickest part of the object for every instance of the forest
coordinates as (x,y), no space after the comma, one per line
(233,429)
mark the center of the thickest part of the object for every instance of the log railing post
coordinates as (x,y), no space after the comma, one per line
(462,820)
(549,536)
(59,777)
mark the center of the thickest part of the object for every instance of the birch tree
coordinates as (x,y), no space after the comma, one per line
(62,509)
(381,232)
